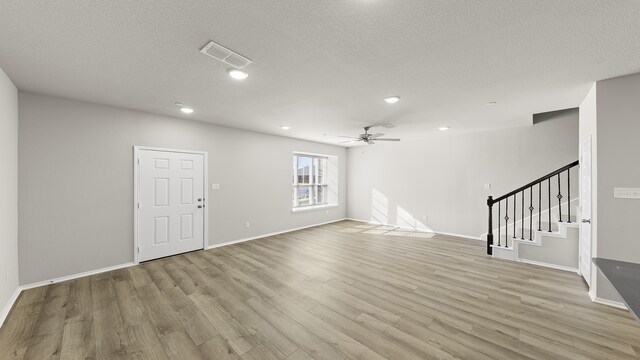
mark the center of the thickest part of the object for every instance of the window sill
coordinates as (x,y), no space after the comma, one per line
(311,208)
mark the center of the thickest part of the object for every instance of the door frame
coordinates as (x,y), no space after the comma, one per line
(136,192)
(590,282)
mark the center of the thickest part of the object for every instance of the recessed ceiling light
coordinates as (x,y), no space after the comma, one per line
(392,99)
(443,128)
(491,103)
(237,74)
(285,127)
(184,109)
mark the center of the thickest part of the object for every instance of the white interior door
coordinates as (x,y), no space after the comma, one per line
(171,204)
(585,209)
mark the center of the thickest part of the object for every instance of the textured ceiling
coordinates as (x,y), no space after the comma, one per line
(324,67)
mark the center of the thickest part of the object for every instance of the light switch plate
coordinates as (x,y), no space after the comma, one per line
(626,193)
(215,186)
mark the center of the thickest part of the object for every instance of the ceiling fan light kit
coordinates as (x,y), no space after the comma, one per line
(367,138)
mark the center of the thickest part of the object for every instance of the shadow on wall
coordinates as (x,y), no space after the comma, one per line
(383,213)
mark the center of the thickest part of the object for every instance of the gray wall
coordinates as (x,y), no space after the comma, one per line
(76,176)
(8,189)
(618,126)
(438,183)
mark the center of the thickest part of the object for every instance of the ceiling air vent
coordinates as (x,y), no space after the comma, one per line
(225,55)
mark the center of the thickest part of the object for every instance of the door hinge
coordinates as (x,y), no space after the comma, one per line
(138,249)
(138,205)
(138,161)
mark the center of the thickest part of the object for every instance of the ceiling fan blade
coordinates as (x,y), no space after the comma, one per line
(388,139)
(370,142)
(350,137)
(376,135)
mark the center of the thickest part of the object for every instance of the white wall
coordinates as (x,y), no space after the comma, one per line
(76,176)
(8,192)
(618,126)
(438,183)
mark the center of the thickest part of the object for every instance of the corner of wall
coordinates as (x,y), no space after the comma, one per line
(9,277)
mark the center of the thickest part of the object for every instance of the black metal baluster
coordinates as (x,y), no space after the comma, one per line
(515,202)
(531,213)
(523,197)
(559,200)
(490,231)
(499,204)
(506,222)
(569,196)
(549,182)
(522,217)
(540,206)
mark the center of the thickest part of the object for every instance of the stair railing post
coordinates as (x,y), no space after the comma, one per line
(490,231)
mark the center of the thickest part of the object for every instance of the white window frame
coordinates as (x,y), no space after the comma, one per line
(313,183)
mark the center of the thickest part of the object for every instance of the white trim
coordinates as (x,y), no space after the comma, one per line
(76,276)
(611,303)
(314,154)
(271,234)
(9,305)
(597,300)
(460,235)
(313,207)
(410,228)
(552,266)
(366,221)
(136,190)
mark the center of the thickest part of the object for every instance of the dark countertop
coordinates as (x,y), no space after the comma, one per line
(625,278)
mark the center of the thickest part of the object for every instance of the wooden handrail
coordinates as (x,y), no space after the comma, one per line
(535,182)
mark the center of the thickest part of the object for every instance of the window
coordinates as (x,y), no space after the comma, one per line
(310,180)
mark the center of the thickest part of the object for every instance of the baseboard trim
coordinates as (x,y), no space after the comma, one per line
(460,235)
(410,228)
(76,276)
(9,305)
(125,265)
(552,266)
(597,300)
(367,221)
(271,234)
(611,303)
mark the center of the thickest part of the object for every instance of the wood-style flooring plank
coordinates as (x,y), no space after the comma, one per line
(346,290)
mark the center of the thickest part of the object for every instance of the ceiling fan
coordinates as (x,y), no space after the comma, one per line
(369,139)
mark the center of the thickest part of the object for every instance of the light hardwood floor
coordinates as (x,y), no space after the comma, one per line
(342,291)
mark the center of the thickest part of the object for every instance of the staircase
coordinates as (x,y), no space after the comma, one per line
(536,223)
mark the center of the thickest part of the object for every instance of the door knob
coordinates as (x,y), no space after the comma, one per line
(199,206)
(588,221)
(199,199)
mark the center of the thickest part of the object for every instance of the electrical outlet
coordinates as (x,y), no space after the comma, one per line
(247,225)
(487,186)
(425,218)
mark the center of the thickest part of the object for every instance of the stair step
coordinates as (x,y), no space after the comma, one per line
(509,240)
(565,218)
